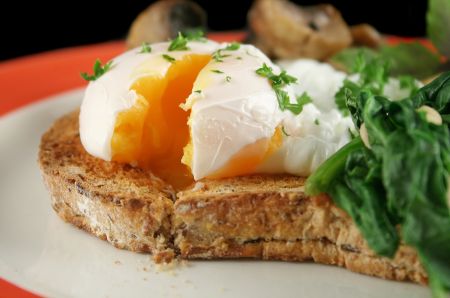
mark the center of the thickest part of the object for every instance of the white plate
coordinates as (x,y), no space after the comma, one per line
(43,254)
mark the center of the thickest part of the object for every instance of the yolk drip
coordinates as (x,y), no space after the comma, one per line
(248,158)
(153,133)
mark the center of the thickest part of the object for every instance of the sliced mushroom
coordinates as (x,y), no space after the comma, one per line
(285,30)
(164,19)
(366,35)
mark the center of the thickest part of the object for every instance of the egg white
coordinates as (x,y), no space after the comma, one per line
(231,107)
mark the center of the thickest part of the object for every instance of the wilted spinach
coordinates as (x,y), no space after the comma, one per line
(402,180)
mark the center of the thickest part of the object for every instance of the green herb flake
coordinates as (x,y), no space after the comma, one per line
(198,91)
(283,130)
(146,48)
(234,46)
(218,56)
(179,43)
(216,71)
(228,79)
(316,122)
(278,82)
(169,58)
(195,35)
(99,70)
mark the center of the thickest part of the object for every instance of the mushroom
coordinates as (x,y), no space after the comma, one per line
(285,30)
(163,20)
(366,35)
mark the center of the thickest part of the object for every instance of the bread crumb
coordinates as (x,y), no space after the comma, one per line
(198,186)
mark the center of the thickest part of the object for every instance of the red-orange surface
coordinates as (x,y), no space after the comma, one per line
(30,79)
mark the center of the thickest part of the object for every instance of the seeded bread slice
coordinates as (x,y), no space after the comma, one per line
(264,217)
(270,217)
(126,206)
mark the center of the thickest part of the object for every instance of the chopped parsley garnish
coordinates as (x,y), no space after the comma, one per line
(218,55)
(239,58)
(99,70)
(180,42)
(195,35)
(216,71)
(284,131)
(228,79)
(234,46)
(278,82)
(317,122)
(146,48)
(169,58)
(198,91)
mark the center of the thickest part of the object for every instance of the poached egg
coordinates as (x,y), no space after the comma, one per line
(186,115)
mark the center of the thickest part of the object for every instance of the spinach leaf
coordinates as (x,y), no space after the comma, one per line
(404,58)
(411,58)
(402,180)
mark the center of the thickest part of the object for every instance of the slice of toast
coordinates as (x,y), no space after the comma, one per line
(126,206)
(270,218)
(263,216)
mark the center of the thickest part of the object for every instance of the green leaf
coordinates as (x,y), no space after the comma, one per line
(196,34)
(99,70)
(278,82)
(265,71)
(169,58)
(146,48)
(346,58)
(412,59)
(234,46)
(179,43)
(409,83)
(373,76)
(401,181)
(326,174)
(404,59)
(438,25)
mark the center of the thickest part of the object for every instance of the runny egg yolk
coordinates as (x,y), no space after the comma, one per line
(246,160)
(153,133)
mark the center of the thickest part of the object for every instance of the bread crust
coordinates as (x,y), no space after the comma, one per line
(126,206)
(266,217)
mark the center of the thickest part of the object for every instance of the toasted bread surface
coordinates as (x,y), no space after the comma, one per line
(262,216)
(270,217)
(126,206)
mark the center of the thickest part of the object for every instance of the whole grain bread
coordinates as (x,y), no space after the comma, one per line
(126,206)
(263,216)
